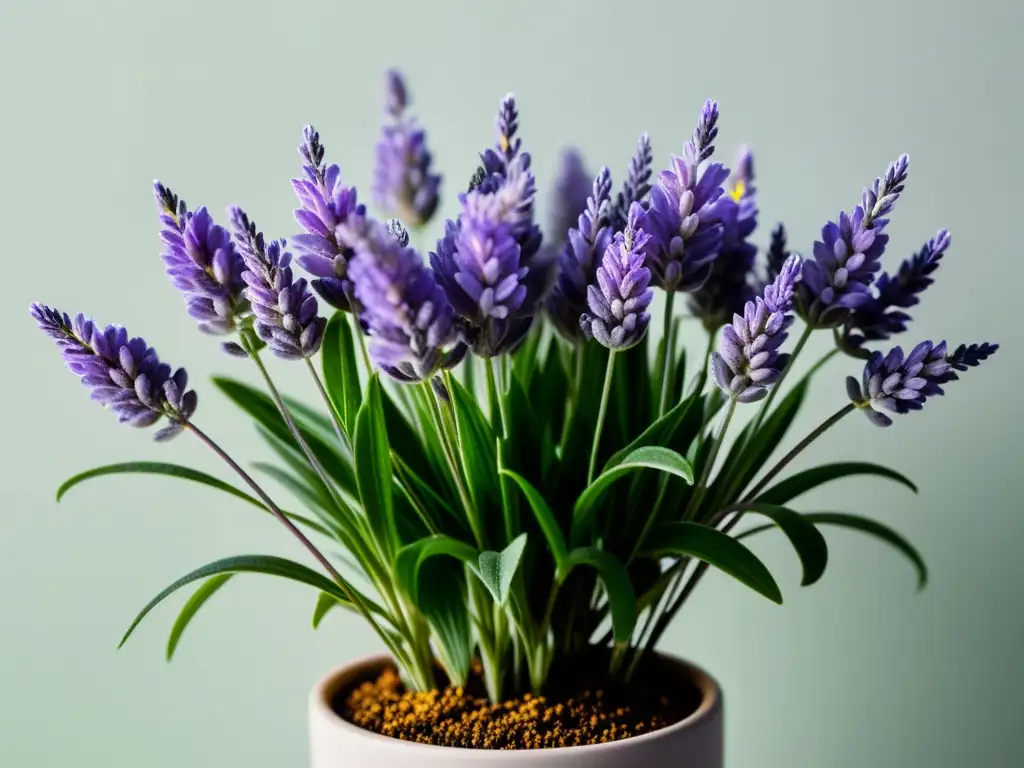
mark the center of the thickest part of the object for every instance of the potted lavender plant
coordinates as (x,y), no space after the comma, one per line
(528,489)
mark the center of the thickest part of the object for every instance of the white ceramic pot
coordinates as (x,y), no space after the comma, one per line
(695,742)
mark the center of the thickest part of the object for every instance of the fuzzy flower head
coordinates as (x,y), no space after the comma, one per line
(688,210)
(637,185)
(882,316)
(285,310)
(403,184)
(489,261)
(202,263)
(411,324)
(332,219)
(901,383)
(579,260)
(728,287)
(837,281)
(619,297)
(124,374)
(571,191)
(748,360)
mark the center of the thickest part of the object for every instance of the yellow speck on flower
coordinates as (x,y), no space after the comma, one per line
(503,143)
(738,190)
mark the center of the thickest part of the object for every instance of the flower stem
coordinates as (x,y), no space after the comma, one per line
(778,382)
(666,362)
(601,413)
(702,485)
(362,345)
(339,430)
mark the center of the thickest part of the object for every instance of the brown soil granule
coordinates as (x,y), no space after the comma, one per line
(453,717)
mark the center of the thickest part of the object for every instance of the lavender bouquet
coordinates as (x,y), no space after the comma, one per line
(516,473)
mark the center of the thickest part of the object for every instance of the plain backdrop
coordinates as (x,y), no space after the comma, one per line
(99,97)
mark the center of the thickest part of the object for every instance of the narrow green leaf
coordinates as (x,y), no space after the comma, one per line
(156,468)
(870,527)
(649,457)
(267,564)
(788,489)
(476,449)
(304,494)
(445,607)
(658,433)
(341,372)
(411,558)
(615,577)
(199,597)
(496,569)
(717,549)
(807,540)
(324,603)
(373,467)
(545,519)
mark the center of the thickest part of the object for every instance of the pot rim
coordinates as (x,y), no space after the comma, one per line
(327,687)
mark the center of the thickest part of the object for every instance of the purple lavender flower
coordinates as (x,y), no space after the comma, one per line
(847,257)
(902,384)
(579,259)
(202,263)
(489,262)
(687,211)
(637,185)
(749,358)
(285,309)
(619,300)
(728,287)
(778,253)
(125,375)
(403,184)
(333,220)
(409,318)
(572,186)
(880,317)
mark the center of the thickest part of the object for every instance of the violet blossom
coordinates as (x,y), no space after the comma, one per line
(636,186)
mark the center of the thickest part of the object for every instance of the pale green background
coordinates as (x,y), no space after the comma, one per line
(99,97)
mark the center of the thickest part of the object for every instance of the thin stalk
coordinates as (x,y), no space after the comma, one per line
(319,556)
(702,485)
(798,448)
(339,430)
(362,345)
(700,387)
(495,392)
(808,329)
(668,357)
(601,413)
(702,568)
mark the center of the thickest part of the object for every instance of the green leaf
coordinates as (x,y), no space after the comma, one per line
(341,373)
(545,519)
(788,489)
(717,549)
(267,564)
(807,540)
(261,408)
(373,468)
(199,597)
(649,457)
(445,607)
(411,558)
(156,468)
(324,603)
(870,527)
(659,433)
(305,494)
(496,569)
(476,449)
(621,597)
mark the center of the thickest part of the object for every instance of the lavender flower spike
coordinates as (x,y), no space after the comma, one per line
(622,295)
(881,317)
(202,263)
(572,187)
(848,255)
(687,211)
(637,185)
(332,219)
(749,358)
(579,260)
(403,184)
(285,309)
(409,319)
(902,384)
(125,375)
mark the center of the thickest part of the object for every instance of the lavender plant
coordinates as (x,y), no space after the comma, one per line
(497,501)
